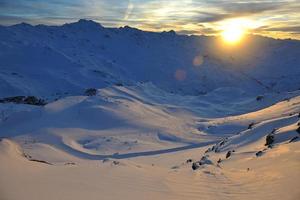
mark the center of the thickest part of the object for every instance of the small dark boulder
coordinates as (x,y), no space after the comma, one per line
(70,163)
(90,92)
(116,162)
(269,140)
(213,148)
(208,150)
(189,160)
(195,165)
(105,160)
(219,161)
(259,153)
(259,98)
(119,84)
(222,143)
(205,161)
(32,100)
(228,154)
(217,150)
(250,126)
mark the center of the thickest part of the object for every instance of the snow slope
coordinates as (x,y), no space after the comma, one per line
(164,104)
(82,173)
(129,142)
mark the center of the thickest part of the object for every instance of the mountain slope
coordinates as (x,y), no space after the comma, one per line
(84,54)
(93,160)
(167,116)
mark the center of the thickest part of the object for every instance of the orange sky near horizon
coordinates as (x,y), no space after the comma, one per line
(277,18)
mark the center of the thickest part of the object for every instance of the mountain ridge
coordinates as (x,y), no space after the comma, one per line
(190,65)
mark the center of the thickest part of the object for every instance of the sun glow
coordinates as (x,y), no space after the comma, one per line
(234,30)
(233,35)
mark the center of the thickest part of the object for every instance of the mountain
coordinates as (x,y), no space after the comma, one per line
(84,54)
(89,112)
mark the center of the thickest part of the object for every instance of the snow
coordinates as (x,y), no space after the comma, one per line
(155,113)
(85,54)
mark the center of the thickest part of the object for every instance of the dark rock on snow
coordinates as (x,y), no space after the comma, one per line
(90,92)
(269,140)
(30,100)
(251,125)
(259,98)
(259,153)
(228,154)
(195,166)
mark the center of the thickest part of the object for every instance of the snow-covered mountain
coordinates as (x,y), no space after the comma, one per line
(141,115)
(57,60)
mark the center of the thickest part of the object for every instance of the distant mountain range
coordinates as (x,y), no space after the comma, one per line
(61,60)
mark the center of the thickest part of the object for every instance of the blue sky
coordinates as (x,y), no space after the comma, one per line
(279,18)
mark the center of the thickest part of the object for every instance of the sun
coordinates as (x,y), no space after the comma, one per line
(233,31)
(233,35)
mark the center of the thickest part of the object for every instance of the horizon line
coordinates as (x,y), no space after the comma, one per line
(140,29)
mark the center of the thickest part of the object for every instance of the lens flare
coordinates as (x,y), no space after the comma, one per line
(180,75)
(198,60)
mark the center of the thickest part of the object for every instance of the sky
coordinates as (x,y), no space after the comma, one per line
(278,18)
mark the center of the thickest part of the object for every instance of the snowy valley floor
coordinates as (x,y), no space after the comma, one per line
(275,176)
(136,142)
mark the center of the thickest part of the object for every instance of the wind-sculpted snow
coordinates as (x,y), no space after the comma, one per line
(127,141)
(132,119)
(107,113)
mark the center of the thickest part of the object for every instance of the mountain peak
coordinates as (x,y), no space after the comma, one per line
(85,23)
(171,32)
(130,29)
(23,24)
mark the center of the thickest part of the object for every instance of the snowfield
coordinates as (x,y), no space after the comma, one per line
(167,116)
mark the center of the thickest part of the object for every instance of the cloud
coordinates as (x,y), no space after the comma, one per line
(181,15)
(248,7)
(295,29)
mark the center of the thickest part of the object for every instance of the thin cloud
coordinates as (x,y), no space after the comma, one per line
(282,28)
(181,15)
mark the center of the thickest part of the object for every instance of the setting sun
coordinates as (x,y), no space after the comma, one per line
(233,35)
(234,30)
